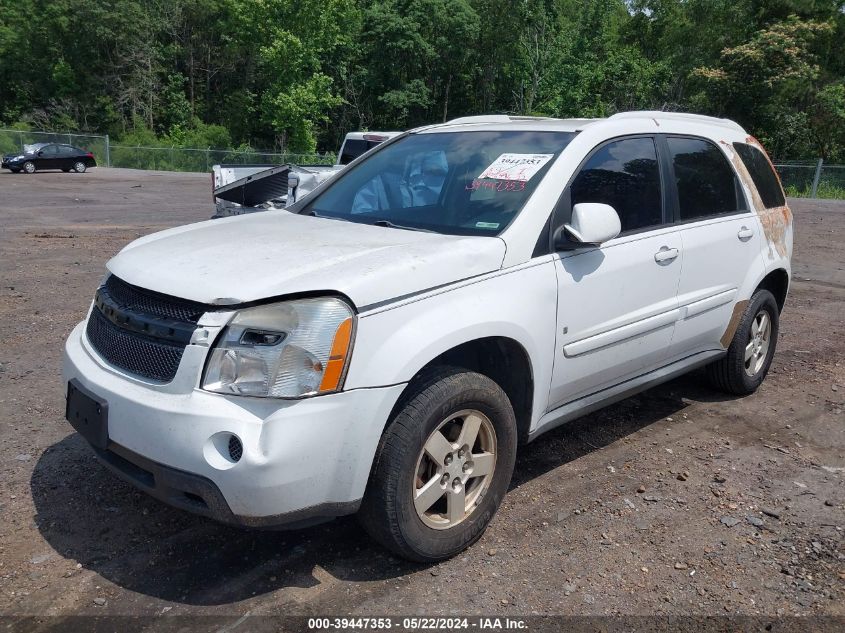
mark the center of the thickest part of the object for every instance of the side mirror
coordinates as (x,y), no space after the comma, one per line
(293,183)
(40,154)
(592,223)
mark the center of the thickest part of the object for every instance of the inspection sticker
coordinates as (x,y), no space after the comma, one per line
(516,166)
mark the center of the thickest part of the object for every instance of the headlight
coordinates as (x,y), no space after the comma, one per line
(283,350)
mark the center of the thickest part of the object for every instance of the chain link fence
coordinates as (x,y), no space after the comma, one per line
(156,158)
(186,159)
(812,179)
(13,142)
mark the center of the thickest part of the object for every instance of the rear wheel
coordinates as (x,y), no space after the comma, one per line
(79,167)
(29,167)
(443,467)
(751,351)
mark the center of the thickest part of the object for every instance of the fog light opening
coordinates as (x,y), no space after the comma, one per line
(223,450)
(236,448)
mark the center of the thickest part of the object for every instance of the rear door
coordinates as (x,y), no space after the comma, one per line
(721,240)
(617,303)
(67,156)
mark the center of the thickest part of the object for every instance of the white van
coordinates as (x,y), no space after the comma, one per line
(385,345)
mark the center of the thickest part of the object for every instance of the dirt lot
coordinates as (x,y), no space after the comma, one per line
(574,535)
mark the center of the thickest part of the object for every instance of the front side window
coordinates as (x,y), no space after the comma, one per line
(762,174)
(624,174)
(706,182)
(459,183)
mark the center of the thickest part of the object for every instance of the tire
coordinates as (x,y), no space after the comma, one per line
(29,167)
(735,373)
(79,167)
(448,401)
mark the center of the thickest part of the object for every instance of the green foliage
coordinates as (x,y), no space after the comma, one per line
(825,190)
(296,75)
(827,121)
(198,134)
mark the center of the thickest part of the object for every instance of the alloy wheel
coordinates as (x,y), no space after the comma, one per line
(454,469)
(758,346)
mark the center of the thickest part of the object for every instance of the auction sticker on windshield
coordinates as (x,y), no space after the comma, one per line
(516,166)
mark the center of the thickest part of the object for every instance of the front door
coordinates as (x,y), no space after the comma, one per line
(48,157)
(617,303)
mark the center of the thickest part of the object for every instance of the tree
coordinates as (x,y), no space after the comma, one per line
(759,81)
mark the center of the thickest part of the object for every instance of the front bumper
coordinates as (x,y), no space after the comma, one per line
(302,459)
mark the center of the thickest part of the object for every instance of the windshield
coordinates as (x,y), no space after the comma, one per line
(31,149)
(460,183)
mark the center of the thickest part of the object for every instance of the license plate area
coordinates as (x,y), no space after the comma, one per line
(88,414)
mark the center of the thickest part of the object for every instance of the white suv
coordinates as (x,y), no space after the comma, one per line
(384,347)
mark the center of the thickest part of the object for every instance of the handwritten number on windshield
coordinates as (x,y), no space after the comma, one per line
(496,185)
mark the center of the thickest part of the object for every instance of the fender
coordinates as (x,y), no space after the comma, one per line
(393,343)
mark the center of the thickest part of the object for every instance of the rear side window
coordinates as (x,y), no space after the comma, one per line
(624,174)
(354,147)
(707,184)
(762,174)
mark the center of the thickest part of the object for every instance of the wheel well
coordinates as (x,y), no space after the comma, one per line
(503,360)
(776,282)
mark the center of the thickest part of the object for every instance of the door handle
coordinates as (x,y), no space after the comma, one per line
(665,255)
(745,234)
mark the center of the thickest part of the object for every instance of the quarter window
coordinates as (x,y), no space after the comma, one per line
(762,174)
(624,174)
(707,184)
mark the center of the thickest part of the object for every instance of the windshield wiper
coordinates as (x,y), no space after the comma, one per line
(391,225)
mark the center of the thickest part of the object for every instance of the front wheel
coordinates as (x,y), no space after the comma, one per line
(750,353)
(443,466)
(79,167)
(29,167)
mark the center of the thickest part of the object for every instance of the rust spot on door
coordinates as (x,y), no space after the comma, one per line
(733,324)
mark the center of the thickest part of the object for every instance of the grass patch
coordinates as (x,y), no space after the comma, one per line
(827,190)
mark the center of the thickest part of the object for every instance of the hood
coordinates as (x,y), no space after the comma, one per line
(262,255)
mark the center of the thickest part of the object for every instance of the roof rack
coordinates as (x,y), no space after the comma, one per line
(498,118)
(659,115)
(482,118)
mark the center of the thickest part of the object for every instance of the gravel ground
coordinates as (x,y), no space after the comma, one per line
(677,501)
